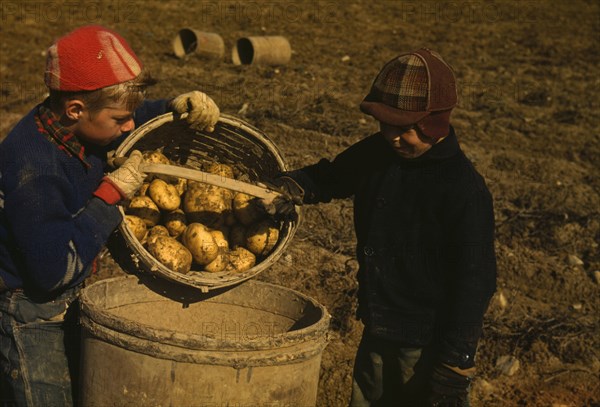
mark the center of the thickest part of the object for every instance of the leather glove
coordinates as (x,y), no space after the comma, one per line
(283,207)
(449,386)
(127,179)
(203,112)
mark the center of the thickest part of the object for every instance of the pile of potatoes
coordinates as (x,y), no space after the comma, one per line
(188,225)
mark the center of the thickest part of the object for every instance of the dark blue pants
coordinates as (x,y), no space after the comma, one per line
(39,349)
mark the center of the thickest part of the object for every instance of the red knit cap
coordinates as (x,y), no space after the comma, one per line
(90,58)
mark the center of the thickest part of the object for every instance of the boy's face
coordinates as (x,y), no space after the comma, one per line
(407,142)
(103,126)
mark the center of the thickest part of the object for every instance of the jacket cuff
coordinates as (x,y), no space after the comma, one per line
(304,184)
(109,192)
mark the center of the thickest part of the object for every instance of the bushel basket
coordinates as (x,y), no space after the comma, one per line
(251,154)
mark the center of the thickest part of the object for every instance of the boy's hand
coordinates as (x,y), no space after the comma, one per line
(127,179)
(283,206)
(203,112)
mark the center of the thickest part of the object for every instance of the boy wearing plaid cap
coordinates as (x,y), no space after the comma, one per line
(424,224)
(57,207)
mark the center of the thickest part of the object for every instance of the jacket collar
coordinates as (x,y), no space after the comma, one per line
(446,148)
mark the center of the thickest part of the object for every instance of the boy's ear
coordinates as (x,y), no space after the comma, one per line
(74,109)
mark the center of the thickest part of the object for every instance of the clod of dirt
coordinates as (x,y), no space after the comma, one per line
(577,306)
(574,260)
(597,276)
(502,302)
(485,387)
(508,365)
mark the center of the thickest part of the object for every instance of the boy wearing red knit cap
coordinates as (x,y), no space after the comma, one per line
(57,206)
(424,225)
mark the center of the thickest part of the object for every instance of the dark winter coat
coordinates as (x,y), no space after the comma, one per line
(425,241)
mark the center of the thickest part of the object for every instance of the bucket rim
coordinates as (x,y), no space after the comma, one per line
(105,324)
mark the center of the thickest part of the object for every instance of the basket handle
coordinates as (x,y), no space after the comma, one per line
(212,179)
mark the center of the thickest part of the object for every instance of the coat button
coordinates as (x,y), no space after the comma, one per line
(380,202)
(368,251)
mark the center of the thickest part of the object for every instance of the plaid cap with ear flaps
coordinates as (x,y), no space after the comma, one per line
(414,88)
(402,85)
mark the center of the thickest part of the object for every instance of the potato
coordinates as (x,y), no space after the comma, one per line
(205,204)
(171,254)
(137,226)
(261,237)
(191,185)
(237,236)
(155,157)
(175,222)
(200,242)
(181,186)
(223,170)
(228,198)
(211,190)
(215,228)
(164,195)
(145,208)
(245,209)
(220,239)
(158,230)
(143,189)
(219,263)
(240,260)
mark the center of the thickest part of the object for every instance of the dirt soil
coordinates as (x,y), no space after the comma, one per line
(529,118)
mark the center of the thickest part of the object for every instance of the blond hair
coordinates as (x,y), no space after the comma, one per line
(130,94)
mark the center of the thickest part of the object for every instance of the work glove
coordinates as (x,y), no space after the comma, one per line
(449,386)
(203,112)
(283,207)
(127,179)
